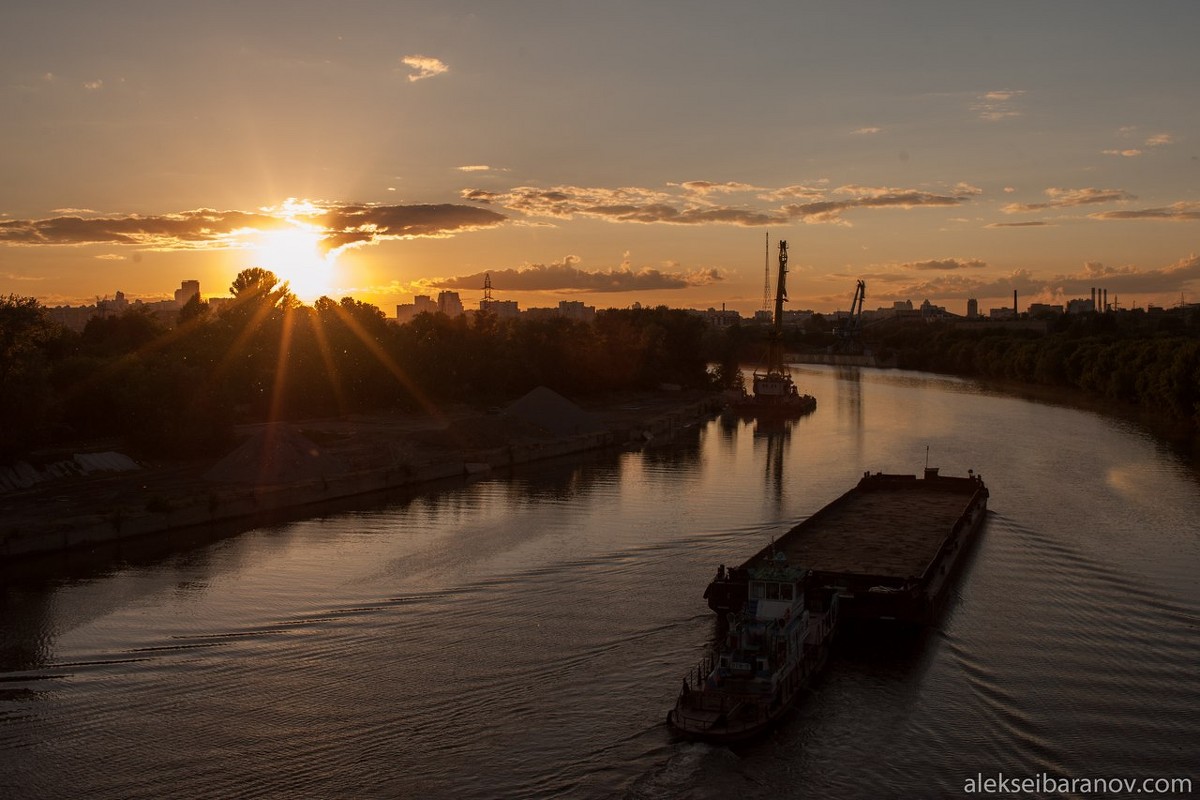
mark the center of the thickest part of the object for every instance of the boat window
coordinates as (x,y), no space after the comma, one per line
(756,591)
(772,591)
(785,591)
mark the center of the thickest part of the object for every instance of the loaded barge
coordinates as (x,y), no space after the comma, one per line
(888,547)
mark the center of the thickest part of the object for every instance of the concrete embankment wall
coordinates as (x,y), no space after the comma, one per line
(212,503)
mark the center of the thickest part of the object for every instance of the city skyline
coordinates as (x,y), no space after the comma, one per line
(635,154)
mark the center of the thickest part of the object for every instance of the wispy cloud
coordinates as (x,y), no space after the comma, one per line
(1070,198)
(944,264)
(473,168)
(340,225)
(704,188)
(1129,153)
(694,205)
(1160,139)
(425,66)
(997,105)
(862,197)
(1183,211)
(865,131)
(1031,224)
(565,275)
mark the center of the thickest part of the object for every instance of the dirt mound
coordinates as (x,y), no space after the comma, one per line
(550,411)
(275,455)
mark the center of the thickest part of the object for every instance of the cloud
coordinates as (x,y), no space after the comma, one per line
(945,264)
(1132,279)
(1160,139)
(830,211)
(474,168)
(110,257)
(1031,224)
(93,86)
(708,187)
(1170,279)
(1131,153)
(1183,211)
(997,105)
(694,207)
(425,66)
(1070,198)
(794,192)
(565,275)
(865,131)
(341,225)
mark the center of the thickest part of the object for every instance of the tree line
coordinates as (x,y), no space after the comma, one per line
(178,390)
(1152,363)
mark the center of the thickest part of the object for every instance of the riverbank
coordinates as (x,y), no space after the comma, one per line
(307,463)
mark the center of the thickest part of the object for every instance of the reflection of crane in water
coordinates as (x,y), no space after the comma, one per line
(777,432)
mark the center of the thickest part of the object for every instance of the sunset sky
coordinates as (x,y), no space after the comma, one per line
(609,152)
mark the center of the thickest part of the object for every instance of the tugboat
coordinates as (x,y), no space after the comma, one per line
(771,651)
(774,392)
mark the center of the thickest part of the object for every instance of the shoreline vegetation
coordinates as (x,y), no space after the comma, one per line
(137,426)
(1134,365)
(270,403)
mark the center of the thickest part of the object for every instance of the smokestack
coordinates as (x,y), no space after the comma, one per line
(1106,301)
(1093,298)
(1015,312)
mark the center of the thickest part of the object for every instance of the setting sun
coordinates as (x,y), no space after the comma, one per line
(294,254)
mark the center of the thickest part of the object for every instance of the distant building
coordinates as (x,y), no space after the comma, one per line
(972,308)
(930,311)
(186,291)
(503,309)
(574,309)
(450,304)
(1083,306)
(421,304)
(567,309)
(721,318)
(1002,313)
(1044,310)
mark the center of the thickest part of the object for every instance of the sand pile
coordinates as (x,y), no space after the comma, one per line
(553,413)
(275,455)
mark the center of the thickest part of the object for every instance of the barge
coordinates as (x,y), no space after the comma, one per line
(887,548)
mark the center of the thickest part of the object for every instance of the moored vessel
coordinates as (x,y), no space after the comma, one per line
(773,647)
(773,392)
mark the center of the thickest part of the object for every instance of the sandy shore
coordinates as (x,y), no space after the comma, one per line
(296,464)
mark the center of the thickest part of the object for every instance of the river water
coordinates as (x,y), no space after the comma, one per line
(524,635)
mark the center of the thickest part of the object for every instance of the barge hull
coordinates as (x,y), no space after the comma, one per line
(888,547)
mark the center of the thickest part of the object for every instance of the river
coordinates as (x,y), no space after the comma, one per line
(525,634)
